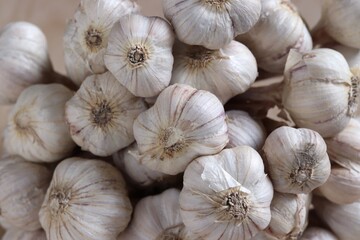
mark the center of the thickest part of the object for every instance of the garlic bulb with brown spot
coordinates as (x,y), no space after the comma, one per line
(17,234)
(316,233)
(23,186)
(225,72)
(279,29)
(296,159)
(86,199)
(320,92)
(211,23)
(226,196)
(244,130)
(139,54)
(101,115)
(184,123)
(36,128)
(86,35)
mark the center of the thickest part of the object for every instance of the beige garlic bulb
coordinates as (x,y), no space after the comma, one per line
(86,35)
(296,159)
(17,234)
(157,218)
(139,54)
(279,29)
(225,72)
(342,219)
(86,199)
(316,233)
(244,130)
(101,115)
(184,123)
(226,196)
(320,92)
(23,186)
(211,23)
(36,128)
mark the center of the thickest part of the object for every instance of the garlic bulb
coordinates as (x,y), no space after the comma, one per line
(183,124)
(225,72)
(157,218)
(226,196)
(23,186)
(101,115)
(342,219)
(296,159)
(339,19)
(279,29)
(352,55)
(86,36)
(243,130)
(316,233)
(139,54)
(320,92)
(17,234)
(211,23)
(36,128)
(86,199)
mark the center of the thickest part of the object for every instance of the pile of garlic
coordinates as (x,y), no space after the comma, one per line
(147,138)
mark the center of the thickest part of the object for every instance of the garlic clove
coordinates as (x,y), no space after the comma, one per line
(316,233)
(297,160)
(86,199)
(225,72)
(101,115)
(36,128)
(17,234)
(219,207)
(183,124)
(139,54)
(211,23)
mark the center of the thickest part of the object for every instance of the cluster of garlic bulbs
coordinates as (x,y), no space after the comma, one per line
(145,139)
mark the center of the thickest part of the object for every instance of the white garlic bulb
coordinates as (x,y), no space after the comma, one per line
(279,29)
(36,128)
(316,233)
(23,186)
(296,159)
(17,234)
(339,18)
(101,115)
(211,23)
(342,219)
(352,55)
(139,54)
(225,72)
(86,199)
(183,124)
(226,196)
(320,92)
(243,130)
(86,36)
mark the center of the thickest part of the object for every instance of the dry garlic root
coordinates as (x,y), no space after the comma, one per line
(225,72)
(139,54)
(86,199)
(17,234)
(86,36)
(36,128)
(183,124)
(23,186)
(316,233)
(101,115)
(226,196)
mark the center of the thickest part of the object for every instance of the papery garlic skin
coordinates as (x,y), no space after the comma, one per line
(226,196)
(243,130)
(211,23)
(17,234)
(23,186)
(24,59)
(139,54)
(36,128)
(352,55)
(320,92)
(101,115)
(184,123)
(296,159)
(225,72)
(316,233)
(86,35)
(86,199)
(279,29)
